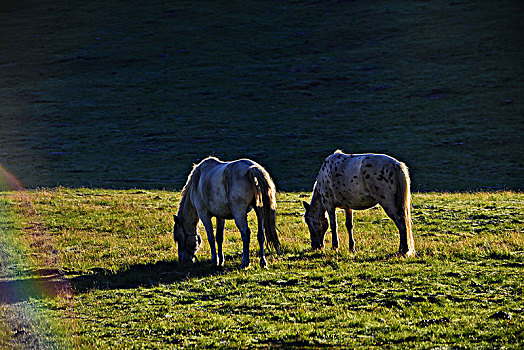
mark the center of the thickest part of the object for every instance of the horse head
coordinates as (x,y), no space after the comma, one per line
(317,224)
(188,242)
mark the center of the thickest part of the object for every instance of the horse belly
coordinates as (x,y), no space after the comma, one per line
(219,207)
(223,213)
(357,201)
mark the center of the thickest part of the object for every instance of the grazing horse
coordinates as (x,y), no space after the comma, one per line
(358,182)
(225,190)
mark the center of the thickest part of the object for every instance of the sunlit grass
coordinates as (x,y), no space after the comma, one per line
(116,229)
(116,249)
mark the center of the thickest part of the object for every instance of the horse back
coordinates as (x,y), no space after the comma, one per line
(223,185)
(357,181)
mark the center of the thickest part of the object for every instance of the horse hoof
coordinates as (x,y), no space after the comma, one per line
(409,254)
(263,263)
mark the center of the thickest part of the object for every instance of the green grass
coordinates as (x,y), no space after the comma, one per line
(115,252)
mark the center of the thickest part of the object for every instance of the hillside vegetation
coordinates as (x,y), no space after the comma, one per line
(126,94)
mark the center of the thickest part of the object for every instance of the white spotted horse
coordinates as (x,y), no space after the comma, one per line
(358,182)
(225,190)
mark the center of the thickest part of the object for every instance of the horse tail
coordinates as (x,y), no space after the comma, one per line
(266,201)
(403,202)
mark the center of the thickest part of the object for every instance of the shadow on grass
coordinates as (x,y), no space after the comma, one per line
(143,275)
(48,283)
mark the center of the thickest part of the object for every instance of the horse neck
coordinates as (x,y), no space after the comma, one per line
(316,206)
(187,211)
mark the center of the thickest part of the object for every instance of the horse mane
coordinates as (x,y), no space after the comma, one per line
(192,180)
(315,187)
(194,177)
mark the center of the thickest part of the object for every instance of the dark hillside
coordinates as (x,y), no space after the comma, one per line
(131,93)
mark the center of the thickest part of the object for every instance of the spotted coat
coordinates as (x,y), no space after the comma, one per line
(358,182)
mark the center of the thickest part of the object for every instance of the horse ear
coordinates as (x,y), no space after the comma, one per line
(306,205)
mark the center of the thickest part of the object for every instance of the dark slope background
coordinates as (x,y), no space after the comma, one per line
(126,94)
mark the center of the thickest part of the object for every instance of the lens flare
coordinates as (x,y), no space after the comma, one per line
(20,282)
(9,181)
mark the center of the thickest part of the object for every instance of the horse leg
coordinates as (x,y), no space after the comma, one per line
(332,213)
(261,238)
(208,224)
(220,239)
(399,219)
(241,222)
(349,226)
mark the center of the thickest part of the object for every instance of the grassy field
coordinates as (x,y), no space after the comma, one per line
(115,100)
(127,94)
(97,268)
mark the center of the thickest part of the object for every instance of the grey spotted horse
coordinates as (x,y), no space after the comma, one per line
(358,182)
